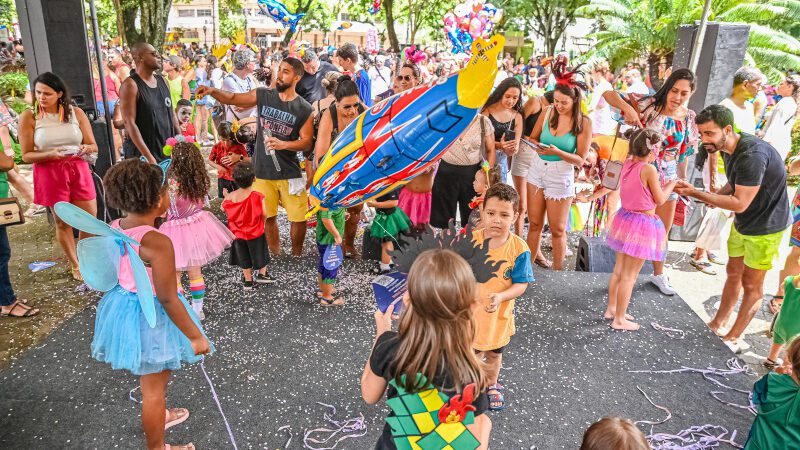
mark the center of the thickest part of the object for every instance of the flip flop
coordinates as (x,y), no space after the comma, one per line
(29,311)
(543,263)
(703,266)
(337,301)
(180,418)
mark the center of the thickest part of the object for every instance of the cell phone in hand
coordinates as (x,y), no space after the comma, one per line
(509,135)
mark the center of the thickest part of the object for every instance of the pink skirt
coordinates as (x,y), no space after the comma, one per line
(197,239)
(416,205)
(639,235)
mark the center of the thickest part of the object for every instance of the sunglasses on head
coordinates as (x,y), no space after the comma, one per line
(406,78)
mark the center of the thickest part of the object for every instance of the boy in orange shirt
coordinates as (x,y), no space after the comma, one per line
(495,320)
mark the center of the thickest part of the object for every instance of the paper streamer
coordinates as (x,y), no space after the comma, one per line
(650,422)
(702,437)
(216,400)
(671,332)
(339,429)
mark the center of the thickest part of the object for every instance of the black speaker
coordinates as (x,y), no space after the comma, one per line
(722,53)
(594,255)
(54,36)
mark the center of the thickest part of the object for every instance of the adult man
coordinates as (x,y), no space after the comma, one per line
(380,77)
(746,85)
(633,78)
(284,128)
(347,55)
(239,82)
(756,193)
(121,69)
(146,107)
(310,86)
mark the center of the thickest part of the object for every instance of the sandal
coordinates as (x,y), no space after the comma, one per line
(775,304)
(76,274)
(497,401)
(29,312)
(703,266)
(338,301)
(544,263)
(770,364)
(714,259)
(181,414)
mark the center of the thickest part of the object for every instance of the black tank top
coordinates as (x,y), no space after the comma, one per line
(335,119)
(501,127)
(153,117)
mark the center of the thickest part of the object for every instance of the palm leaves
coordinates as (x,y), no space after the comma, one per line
(629,29)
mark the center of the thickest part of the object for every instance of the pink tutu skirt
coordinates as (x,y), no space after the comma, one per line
(639,235)
(416,205)
(197,239)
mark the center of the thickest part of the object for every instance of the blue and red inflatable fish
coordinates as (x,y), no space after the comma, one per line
(399,138)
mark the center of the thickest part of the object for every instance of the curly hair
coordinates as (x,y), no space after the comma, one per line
(133,186)
(188,168)
(504,193)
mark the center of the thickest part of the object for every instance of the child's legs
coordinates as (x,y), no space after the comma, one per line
(494,361)
(774,351)
(613,288)
(629,271)
(386,247)
(154,407)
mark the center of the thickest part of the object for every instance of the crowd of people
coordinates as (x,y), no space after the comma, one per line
(267,119)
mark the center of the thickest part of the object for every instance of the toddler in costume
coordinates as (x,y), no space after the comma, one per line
(415,199)
(636,233)
(129,334)
(428,364)
(786,324)
(614,433)
(389,222)
(330,228)
(247,213)
(198,236)
(484,178)
(184,112)
(224,156)
(777,398)
(495,318)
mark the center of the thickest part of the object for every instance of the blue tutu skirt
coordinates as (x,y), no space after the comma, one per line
(124,339)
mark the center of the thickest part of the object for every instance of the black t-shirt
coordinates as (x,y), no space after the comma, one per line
(756,163)
(310,86)
(381,361)
(284,120)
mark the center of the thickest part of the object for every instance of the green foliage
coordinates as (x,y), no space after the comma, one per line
(794,180)
(13,84)
(8,12)
(18,105)
(546,18)
(106,17)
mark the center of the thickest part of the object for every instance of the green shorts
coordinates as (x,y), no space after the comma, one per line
(758,251)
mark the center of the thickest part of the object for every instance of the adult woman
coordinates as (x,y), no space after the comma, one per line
(666,112)
(201,113)
(329,81)
(599,110)
(452,185)
(10,306)
(778,130)
(562,135)
(54,137)
(112,90)
(503,109)
(521,162)
(335,119)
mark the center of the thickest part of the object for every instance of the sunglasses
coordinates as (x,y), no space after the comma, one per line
(406,78)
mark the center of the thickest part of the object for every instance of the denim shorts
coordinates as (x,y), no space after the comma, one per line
(556,178)
(669,172)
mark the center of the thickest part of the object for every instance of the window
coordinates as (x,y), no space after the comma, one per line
(194,34)
(203,13)
(344,17)
(185,13)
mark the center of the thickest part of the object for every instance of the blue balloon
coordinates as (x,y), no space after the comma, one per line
(278,11)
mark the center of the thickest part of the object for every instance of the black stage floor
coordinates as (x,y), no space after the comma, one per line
(278,354)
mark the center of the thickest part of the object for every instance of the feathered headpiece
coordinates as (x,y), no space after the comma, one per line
(567,77)
(414,55)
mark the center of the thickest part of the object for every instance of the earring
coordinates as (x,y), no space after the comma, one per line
(60,112)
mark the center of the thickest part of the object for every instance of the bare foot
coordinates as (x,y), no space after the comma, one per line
(624,325)
(610,316)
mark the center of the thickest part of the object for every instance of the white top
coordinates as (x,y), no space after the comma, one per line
(638,87)
(233,83)
(51,133)
(743,118)
(380,77)
(779,126)
(601,115)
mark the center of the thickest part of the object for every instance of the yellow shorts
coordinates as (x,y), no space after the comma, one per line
(758,251)
(276,192)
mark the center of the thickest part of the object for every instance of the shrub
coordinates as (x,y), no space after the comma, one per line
(13,84)
(794,181)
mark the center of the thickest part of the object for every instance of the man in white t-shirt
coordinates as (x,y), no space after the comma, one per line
(380,76)
(240,81)
(747,83)
(633,78)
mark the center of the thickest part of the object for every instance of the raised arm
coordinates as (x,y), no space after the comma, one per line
(244,100)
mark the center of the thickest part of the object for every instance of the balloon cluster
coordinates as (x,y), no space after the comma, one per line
(469,21)
(376,7)
(173,141)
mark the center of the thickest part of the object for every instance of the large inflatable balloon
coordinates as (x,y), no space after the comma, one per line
(376,7)
(469,21)
(399,138)
(278,11)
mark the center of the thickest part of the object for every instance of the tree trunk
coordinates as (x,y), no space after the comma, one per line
(653,60)
(550,44)
(120,21)
(387,6)
(301,8)
(132,34)
(153,18)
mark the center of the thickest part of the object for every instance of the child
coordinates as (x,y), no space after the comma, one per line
(484,178)
(786,323)
(614,433)
(415,199)
(432,350)
(330,227)
(121,338)
(389,222)
(495,319)
(224,156)
(777,397)
(247,213)
(198,236)
(184,112)
(636,234)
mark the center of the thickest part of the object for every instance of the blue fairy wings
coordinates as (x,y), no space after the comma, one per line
(99,256)
(164,165)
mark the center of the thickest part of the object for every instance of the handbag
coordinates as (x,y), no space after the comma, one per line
(11,212)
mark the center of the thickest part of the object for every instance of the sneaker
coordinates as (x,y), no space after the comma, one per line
(264,279)
(248,285)
(662,283)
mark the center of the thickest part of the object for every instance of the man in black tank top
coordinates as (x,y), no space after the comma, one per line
(147,108)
